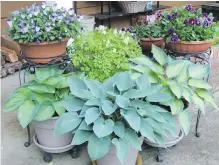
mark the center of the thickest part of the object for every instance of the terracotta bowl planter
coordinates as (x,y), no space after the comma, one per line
(44,52)
(189,46)
(146,43)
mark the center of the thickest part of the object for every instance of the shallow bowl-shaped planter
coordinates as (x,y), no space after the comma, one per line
(44,52)
(189,46)
(45,134)
(146,43)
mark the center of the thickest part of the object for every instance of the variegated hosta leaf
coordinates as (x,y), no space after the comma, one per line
(159,55)
(176,106)
(184,119)
(184,75)
(198,71)
(159,69)
(174,69)
(206,95)
(199,102)
(140,68)
(175,88)
(187,94)
(199,84)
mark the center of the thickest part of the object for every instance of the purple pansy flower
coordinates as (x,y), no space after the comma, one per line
(188,7)
(48,28)
(38,42)
(9,22)
(192,21)
(197,21)
(71,11)
(171,30)
(186,21)
(169,16)
(174,37)
(205,14)
(66,20)
(37,28)
(174,15)
(24,30)
(159,13)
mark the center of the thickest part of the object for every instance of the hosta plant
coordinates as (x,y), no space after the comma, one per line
(40,98)
(181,79)
(103,52)
(187,24)
(116,112)
(40,23)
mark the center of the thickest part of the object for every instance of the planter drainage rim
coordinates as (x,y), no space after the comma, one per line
(52,150)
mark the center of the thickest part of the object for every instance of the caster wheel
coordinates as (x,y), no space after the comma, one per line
(74,153)
(47,157)
(159,158)
(26,144)
(197,134)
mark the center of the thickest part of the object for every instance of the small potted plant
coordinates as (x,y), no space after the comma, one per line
(182,80)
(188,29)
(114,116)
(103,52)
(38,103)
(149,34)
(43,31)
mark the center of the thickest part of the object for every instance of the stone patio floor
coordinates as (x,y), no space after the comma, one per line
(190,151)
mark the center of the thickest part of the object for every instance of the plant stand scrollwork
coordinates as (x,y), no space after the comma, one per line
(29,67)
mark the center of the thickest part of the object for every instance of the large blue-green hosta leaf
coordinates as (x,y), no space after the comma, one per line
(134,93)
(143,83)
(80,137)
(108,107)
(91,115)
(184,120)
(95,90)
(93,102)
(26,113)
(156,126)
(199,84)
(67,122)
(84,126)
(124,81)
(198,71)
(76,84)
(122,101)
(147,130)
(72,104)
(132,137)
(98,147)
(122,148)
(119,129)
(159,55)
(158,97)
(103,127)
(133,118)
(46,111)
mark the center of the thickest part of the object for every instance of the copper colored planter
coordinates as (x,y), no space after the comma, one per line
(189,46)
(146,43)
(44,52)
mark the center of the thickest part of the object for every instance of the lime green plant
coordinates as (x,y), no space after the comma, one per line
(216,40)
(103,52)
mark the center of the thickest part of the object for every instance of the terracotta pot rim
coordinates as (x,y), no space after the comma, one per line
(44,43)
(151,39)
(192,42)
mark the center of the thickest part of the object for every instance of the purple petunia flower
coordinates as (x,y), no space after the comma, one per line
(175,37)
(171,30)
(24,30)
(37,28)
(188,7)
(38,42)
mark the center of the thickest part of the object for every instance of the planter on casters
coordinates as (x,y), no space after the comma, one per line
(45,139)
(44,52)
(146,43)
(189,46)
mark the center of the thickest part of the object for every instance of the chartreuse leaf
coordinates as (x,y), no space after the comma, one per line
(159,55)
(123,81)
(133,118)
(103,127)
(147,130)
(17,99)
(199,102)
(91,115)
(198,71)
(58,107)
(184,120)
(46,111)
(53,81)
(122,101)
(176,106)
(132,137)
(159,69)
(174,69)
(108,107)
(72,104)
(98,147)
(187,94)
(26,113)
(206,95)
(42,88)
(119,129)
(175,88)
(122,148)
(80,137)
(67,122)
(199,84)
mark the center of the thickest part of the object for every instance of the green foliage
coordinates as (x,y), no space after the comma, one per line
(216,39)
(181,80)
(111,117)
(40,98)
(39,23)
(103,52)
(148,31)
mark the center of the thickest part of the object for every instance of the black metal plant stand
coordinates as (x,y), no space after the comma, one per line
(30,67)
(197,58)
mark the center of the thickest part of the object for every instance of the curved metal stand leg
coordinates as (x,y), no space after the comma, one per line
(47,157)
(27,144)
(197,134)
(159,156)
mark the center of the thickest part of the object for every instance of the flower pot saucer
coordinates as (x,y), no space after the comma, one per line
(138,161)
(50,149)
(166,144)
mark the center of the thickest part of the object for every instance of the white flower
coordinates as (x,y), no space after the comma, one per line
(115,32)
(126,40)
(104,32)
(101,27)
(70,42)
(108,43)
